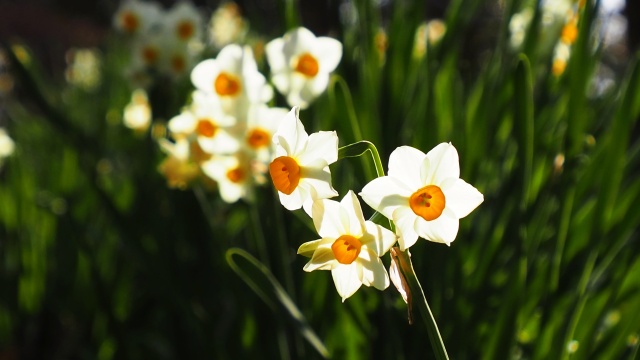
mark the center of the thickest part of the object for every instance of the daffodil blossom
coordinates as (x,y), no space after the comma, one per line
(300,170)
(423,194)
(301,63)
(350,246)
(262,123)
(177,167)
(183,22)
(136,17)
(208,123)
(233,175)
(137,114)
(233,77)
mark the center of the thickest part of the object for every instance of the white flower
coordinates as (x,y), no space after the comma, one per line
(300,172)
(350,246)
(137,114)
(232,76)
(184,22)
(227,25)
(7,145)
(136,17)
(206,121)
(233,175)
(423,194)
(262,124)
(177,59)
(177,167)
(301,63)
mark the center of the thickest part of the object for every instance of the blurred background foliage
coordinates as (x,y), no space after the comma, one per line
(100,259)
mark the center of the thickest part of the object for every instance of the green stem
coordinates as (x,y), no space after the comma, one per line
(353,118)
(357,149)
(404,262)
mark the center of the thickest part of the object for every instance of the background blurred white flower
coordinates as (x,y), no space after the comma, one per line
(301,63)
(137,114)
(7,145)
(136,17)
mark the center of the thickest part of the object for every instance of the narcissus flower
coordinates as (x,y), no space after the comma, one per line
(137,114)
(205,121)
(350,246)
(262,124)
(233,175)
(301,63)
(423,194)
(300,170)
(136,17)
(184,22)
(233,77)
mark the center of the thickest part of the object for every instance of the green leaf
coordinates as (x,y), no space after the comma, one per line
(265,285)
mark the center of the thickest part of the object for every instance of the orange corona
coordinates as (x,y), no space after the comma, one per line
(307,65)
(428,202)
(258,138)
(346,249)
(185,30)
(226,85)
(206,128)
(235,175)
(285,174)
(130,22)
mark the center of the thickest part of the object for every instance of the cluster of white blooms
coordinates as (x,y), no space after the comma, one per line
(225,132)
(423,195)
(164,41)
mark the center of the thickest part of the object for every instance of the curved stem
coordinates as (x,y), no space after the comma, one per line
(357,149)
(404,261)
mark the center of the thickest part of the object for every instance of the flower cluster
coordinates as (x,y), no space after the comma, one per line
(226,131)
(162,41)
(423,195)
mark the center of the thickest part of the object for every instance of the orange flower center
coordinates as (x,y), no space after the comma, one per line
(236,175)
(285,173)
(226,84)
(428,202)
(206,128)
(185,30)
(178,63)
(558,67)
(346,249)
(258,138)
(130,22)
(307,65)
(149,55)
(569,33)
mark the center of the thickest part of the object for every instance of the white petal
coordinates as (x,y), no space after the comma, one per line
(351,205)
(294,200)
(298,41)
(328,52)
(275,55)
(204,74)
(221,143)
(323,259)
(346,279)
(182,124)
(320,145)
(291,135)
(385,194)
(444,163)
(313,88)
(404,164)
(307,249)
(230,59)
(405,220)
(318,179)
(329,218)
(282,82)
(373,271)
(381,239)
(442,230)
(230,192)
(461,197)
